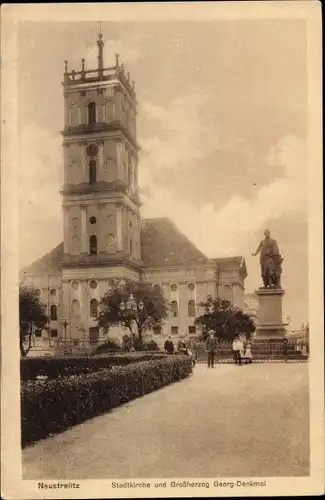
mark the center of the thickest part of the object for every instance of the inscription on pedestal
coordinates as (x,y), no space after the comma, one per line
(270,323)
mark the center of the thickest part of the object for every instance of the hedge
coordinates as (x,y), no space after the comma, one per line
(54,367)
(49,407)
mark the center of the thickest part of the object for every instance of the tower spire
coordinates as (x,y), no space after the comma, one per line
(100,45)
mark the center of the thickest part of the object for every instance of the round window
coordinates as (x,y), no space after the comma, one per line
(191,286)
(173,288)
(92,150)
(92,220)
(74,285)
(53,292)
(93,284)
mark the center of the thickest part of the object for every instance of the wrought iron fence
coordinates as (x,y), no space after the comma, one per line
(263,350)
(69,345)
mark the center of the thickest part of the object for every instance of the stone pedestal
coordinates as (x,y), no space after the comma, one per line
(270,324)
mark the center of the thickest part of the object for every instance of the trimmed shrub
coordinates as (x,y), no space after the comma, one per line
(52,406)
(54,367)
(110,345)
(147,345)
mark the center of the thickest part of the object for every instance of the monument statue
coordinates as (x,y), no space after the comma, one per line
(270,260)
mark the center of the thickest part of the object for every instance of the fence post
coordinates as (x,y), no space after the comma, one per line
(285,349)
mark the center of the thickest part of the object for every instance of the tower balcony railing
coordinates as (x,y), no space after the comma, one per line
(94,75)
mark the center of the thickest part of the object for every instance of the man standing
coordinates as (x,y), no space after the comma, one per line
(236,350)
(181,346)
(169,346)
(211,348)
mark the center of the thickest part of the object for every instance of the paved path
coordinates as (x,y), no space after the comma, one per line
(229,421)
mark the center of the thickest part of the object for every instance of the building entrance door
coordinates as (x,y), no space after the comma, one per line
(93,335)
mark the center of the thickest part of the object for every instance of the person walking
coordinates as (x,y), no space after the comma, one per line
(169,346)
(211,348)
(236,350)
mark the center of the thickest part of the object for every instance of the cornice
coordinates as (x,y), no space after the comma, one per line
(95,85)
(98,187)
(85,130)
(88,261)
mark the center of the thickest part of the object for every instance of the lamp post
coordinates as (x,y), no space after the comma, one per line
(132,310)
(65,323)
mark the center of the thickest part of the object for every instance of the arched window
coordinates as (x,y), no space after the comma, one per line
(92,172)
(174,309)
(191,308)
(93,244)
(93,308)
(91,113)
(54,313)
(75,308)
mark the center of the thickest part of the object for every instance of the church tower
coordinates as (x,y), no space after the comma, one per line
(101,206)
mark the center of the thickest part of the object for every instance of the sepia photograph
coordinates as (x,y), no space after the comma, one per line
(165,321)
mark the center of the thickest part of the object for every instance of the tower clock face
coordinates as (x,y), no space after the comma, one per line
(92,150)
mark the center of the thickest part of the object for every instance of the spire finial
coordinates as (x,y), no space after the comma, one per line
(117,59)
(66,66)
(100,45)
(82,68)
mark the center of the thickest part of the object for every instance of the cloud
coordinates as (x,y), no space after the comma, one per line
(229,230)
(40,179)
(182,138)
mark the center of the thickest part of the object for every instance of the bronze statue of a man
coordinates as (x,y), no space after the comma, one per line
(270,260)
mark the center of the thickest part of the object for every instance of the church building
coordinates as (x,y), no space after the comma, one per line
(105,237)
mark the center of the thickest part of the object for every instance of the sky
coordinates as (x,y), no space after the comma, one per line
(222,125)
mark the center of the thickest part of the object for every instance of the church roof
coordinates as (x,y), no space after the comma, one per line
(162,245)
(226,263)
(48,264)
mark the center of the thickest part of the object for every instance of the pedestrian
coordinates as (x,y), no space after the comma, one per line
(181,346)
(211,348)
(236,350)
(194,347)
(241,340)
(169,346)
(248,352)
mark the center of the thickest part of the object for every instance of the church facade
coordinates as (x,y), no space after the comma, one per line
(105,237)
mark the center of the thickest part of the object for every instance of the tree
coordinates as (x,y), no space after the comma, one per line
(224,319)
(155,307)
(31,316)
